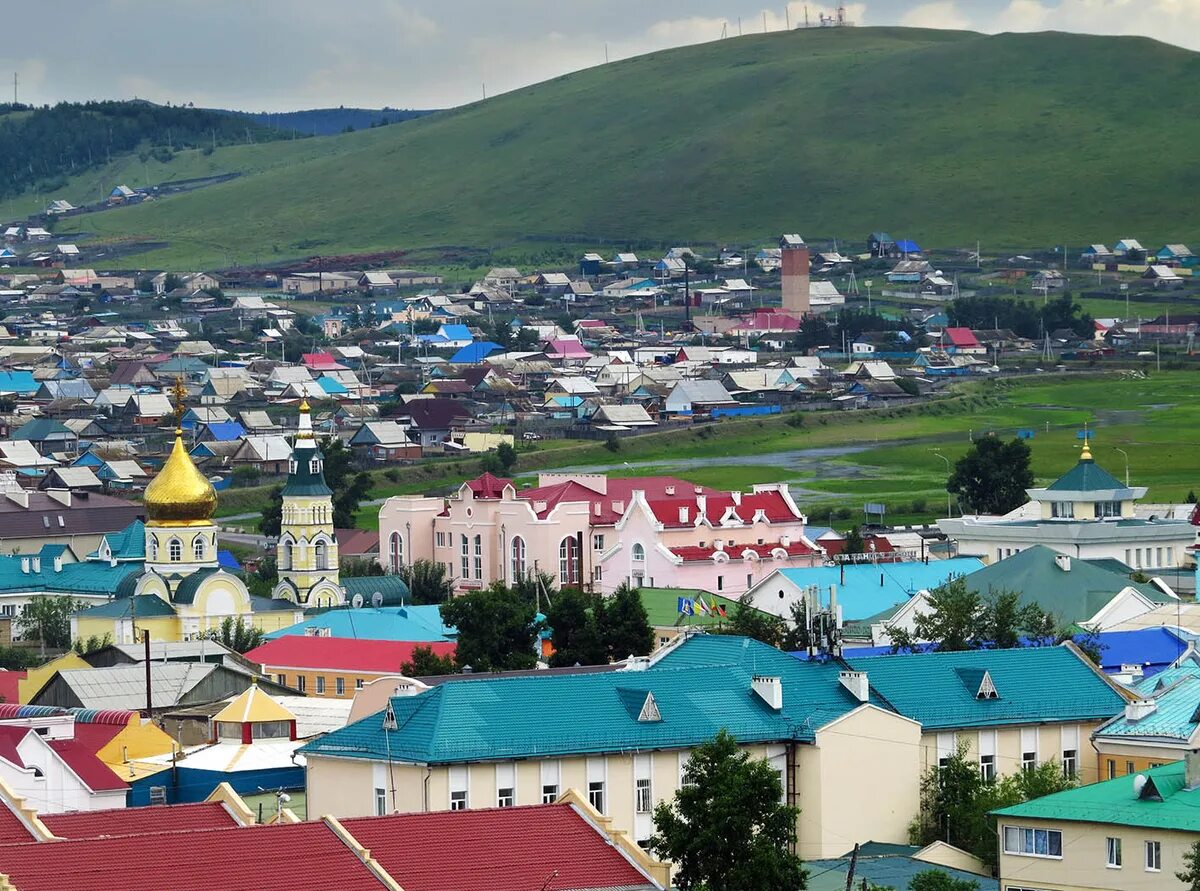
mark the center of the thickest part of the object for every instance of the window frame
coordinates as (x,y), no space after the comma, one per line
(643,796)
(319,685)
(596,794)
(1030,834)
(1155,848)
(1112,852)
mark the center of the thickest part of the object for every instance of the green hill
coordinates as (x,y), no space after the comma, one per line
(945,137)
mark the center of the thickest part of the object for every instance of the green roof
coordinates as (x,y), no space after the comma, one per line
(186,591)
(141,606)
(127,544)
(1033,685)
(1114,802)
(303,481)
(1086,476)
(662,607)
(392,587)
(1073,596)
(40,429)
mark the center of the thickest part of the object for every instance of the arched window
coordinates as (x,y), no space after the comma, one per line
(568,561)
(397,552)
(518,558)
(639,551)
(314,466)
(479,556)
(285,556)
(322,554)
(198,547)
(153,547)
(175,550)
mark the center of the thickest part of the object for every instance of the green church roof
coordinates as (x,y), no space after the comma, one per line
(1086,476)
(303,481)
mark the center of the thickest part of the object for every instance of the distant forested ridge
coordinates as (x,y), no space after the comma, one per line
(42,146)
(328,121)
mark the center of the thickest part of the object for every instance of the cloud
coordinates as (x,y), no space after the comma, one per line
(1171,21)
(939,14)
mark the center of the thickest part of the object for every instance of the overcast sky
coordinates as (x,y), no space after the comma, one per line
(279,55)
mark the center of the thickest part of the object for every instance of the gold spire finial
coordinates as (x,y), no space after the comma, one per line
(179,396)
(1086,454)
(304,404)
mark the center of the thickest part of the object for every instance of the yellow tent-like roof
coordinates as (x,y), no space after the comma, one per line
(253,707)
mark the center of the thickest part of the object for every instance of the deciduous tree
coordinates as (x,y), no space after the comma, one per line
(991,478)
(496,629)
(426,663)
(427,582)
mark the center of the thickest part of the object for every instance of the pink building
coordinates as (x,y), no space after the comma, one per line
(653,531)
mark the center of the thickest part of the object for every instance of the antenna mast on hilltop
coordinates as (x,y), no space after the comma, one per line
(15,79)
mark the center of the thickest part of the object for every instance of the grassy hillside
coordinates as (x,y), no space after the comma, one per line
(941,136)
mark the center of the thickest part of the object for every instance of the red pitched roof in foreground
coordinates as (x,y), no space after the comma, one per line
(13,829)
(265,858)
(136,820)
(499,849)
(340,653)
(77,754)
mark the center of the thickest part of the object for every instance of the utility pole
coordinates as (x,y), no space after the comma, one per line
(787,17)
(16,77)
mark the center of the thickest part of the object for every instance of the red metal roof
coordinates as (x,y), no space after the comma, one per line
(499,849)
(962,337)
(488,486)
(290,857)
(78,755)
(137,820)
(614,502)
(12,829)
(772,503)
(340,653)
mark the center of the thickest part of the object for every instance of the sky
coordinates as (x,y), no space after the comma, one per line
(283,55)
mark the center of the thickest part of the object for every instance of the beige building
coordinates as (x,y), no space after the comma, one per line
(623,740)
(1126,834)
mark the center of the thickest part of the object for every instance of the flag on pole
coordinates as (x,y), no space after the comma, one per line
(686,607)
(703,607)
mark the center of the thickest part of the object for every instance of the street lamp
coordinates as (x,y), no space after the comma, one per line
(938,452)
(1126,454)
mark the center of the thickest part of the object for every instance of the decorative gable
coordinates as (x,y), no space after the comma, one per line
(987,690)
(649,710)
(978,682)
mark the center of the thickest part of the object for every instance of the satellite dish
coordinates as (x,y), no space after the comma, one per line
(1139,783)
(377,599)
(357,601)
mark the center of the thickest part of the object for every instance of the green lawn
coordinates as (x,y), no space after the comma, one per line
(614,153)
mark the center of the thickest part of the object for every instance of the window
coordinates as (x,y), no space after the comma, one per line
(464,551)
(198,547)
(320,685)
(642,798)
(300,681)
(597,542)
(1028,760)
(639,551)
(380,801)
(286,554)
(506,785)
(322,554)
(271,730)
(479,556)
(987,767)
(458,800)
(1112,769)
(1128,768)
(339,686)
(1113,847)
(458,780)
(314,466)
(568,561)
(153,548)
(549,793)
(358,683)
(396,552)
(505,796)
(1029,748)
(1032,842)
(518,557)
(1107,509)
(281,679)
(551,778)
(1063,510)
(1070,763)
(441,539)
(175,550)
(1153,856)
(720,583)
(596,795)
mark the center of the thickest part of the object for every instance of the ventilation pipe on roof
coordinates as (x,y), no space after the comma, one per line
(769,690)
(1192,769)
(1140,708)
(1063,562)
(857,683)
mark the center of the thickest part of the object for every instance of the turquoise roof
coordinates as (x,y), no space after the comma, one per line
(140,606)
(186,591)
(128,544)
(1176,693)
(17,382)
(422,624)
(867,589)
(85,578)
(1034,685)
(1086,476)
(884,867)
(702,686)
(1115,803)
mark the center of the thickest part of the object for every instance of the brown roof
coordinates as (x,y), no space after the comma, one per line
(89,514)
(357,542)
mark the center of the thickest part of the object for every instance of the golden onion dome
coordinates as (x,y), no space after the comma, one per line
(179,493)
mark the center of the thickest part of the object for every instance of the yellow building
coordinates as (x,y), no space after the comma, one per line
(306,556)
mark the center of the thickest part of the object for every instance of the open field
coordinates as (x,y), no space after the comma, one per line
(839,460)
(1011,142)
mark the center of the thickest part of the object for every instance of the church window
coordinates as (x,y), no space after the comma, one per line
(465,554)
(286,556)
(322,554)
(175,550)
(314,466)
(198,547)
(154,548)
(397,552)
(518,558)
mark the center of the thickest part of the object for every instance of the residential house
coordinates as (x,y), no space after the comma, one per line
(385,441)
(1176,255)
(1163,277)
(1130,249)
(697,397)
(909,271)
(335,666)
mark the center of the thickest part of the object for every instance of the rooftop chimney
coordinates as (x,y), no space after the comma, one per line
(769,690)
(683,514)
(856,682)
(1192,769)
(670,490)
(1140,708)
(35,563)
(1063,562)
(25,565)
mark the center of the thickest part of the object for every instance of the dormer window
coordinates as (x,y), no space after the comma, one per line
(291,465)
(987,690)
(1062,510)
(314,466)
(649,712)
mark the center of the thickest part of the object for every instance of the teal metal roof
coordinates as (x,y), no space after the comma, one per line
(884,869)
(408,623)
(1115,803)
(128,544)
(186,591)
(1176,693)
(40,429)
(302,481)
(1073,596)
(392,587)
(141,607)
(1086,476)
(700,688)
(1034,685)
(89,577)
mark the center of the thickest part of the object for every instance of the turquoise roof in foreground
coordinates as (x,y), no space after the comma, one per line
(1176,694)
(1114,802)
(1034,685)
(700,688)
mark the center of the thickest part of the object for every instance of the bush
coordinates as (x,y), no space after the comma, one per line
(919,505)
(795,420)
(613,444)
(393,474)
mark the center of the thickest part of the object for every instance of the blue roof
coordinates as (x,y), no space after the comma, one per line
(475,352)
(1033,685)
(908,246)
(1152,648)
(868,589)
(455,332)
(226,431)
(421,624)
(332,385)
(704,691)
(17,382)
(226,560)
